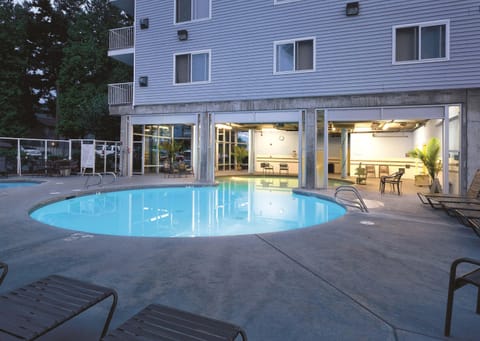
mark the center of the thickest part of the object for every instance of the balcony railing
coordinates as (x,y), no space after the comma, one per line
(121,38)
(120,93)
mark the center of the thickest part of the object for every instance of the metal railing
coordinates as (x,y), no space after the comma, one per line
(356,202)
(29,156)
(121,38)
(120,93)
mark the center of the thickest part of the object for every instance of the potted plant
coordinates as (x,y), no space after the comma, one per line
(240,153)
(172,149)
(430,157)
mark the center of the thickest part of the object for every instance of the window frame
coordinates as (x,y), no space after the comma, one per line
(419,26)
(294,41)
(191,53)
(192,8)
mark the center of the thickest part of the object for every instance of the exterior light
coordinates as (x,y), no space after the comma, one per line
(353,8)
(144,23)
(143,81)
(182,34)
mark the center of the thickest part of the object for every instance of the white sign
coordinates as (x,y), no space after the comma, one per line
(88,156)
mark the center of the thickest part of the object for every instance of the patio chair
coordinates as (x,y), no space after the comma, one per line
(4,268)
(266,167)
(457,282)
(394,180)
(158,322)
(383,169)
(434,199)
(35,309)
(370,169)
(283,167)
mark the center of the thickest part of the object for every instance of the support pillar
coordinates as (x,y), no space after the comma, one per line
(310,148)
(344,146)
(205,166)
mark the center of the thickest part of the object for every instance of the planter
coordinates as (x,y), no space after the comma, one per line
(422,180)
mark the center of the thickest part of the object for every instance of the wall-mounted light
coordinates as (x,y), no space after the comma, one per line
(144,23)
(143,81)
(353,8)
(182,34)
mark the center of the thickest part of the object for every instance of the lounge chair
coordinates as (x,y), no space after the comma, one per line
(4,268)
(472,277)
(470,218)
(31,311)
(433,199)
(158,322)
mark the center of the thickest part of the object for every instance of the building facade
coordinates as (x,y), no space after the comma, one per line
(250,67)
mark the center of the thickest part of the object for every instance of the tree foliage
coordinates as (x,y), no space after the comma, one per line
(54,61)
(430,157)
(15,102)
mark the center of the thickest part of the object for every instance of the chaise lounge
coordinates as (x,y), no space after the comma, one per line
(35,309)
(435,199)
(158,322)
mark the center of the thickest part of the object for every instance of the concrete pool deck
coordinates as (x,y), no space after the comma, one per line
(381,275)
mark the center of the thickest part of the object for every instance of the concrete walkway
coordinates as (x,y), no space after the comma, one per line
(381,275)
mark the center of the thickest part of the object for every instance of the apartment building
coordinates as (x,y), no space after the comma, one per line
(318,85)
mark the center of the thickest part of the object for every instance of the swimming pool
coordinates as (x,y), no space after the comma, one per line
(10,184)
(237,206)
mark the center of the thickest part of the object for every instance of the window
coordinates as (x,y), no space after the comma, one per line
(192,67)
(295,55)
(421,42)
(190,10)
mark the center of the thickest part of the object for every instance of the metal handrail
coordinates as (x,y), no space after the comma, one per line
(358,203)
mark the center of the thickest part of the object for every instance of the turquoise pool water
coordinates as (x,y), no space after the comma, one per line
(237,206)
(11,184)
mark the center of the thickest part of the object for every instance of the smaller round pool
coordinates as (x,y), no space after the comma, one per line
(237,206)
(11,184)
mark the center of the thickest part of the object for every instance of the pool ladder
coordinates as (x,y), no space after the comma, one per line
(100,179)
(356,203)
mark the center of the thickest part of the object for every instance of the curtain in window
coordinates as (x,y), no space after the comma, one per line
(184,10)
(406,44)
(200,67)
(284,57)
(304,55)
(182,68)
(201,9)
(433,42)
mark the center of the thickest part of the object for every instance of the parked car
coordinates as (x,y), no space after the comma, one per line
(31,151)
(102,150)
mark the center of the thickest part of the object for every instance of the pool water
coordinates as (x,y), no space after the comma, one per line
(237,206)
(17,184)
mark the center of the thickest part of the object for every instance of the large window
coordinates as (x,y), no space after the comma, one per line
(421,42)
(190,10)
(192,67)
(294,55)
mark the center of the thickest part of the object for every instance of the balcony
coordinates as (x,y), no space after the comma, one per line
(121,43)
(120,94)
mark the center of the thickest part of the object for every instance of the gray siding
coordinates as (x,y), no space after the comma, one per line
(353,54)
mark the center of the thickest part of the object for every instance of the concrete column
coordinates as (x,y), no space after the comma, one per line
(344,146)
(126,137)
(205,164)
(310,146)
(471,160)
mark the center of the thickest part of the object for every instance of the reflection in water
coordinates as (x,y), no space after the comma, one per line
(236,206)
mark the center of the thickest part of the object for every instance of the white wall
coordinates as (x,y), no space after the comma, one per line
(380,146)
(276,142)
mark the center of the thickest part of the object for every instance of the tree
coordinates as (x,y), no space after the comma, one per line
(85,72)
(16,116)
